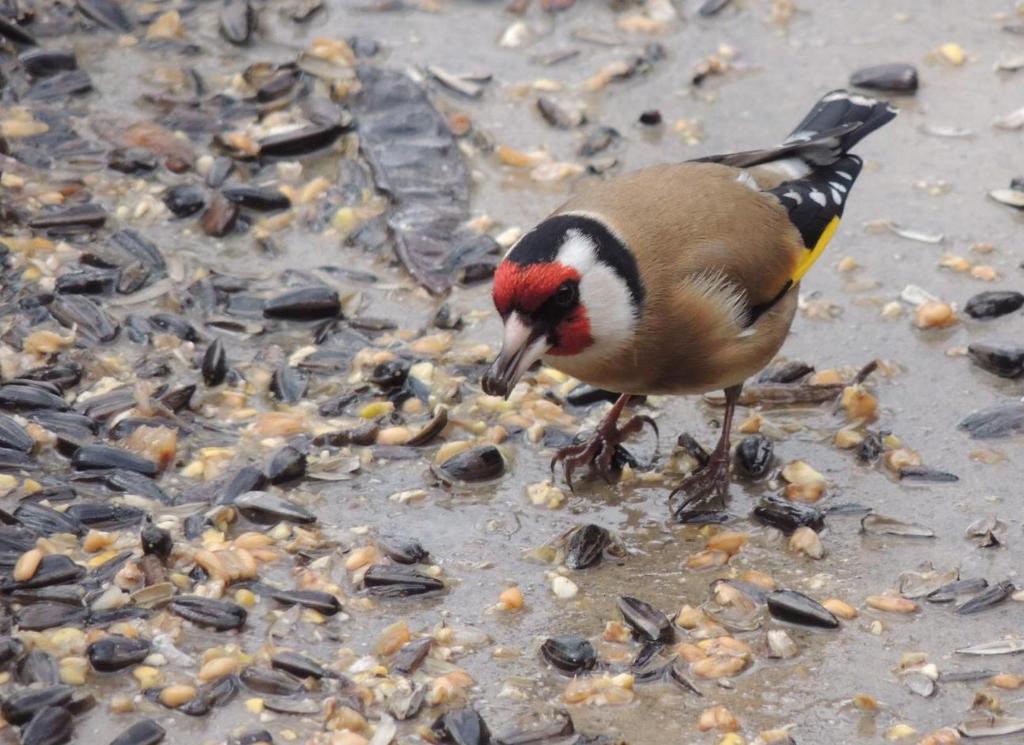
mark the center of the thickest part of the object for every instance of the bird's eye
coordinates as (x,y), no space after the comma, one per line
(565,296)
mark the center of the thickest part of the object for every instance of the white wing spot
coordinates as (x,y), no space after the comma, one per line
(837,186)
(788,169)
(747,180)
(845,175)
(794,195)
(818,197)
(836,196)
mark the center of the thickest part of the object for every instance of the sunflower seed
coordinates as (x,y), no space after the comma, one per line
(38,667)
(788,516)
(20,707)
(220,217)
(301,141)
(926,474)
(238,21)
(271,682)
(47,521)
(994,303)
(990,725)
(298,665)
(412,654)
(304,304)
(221,615)
(145,732)
(476,464)
(1009,197)
(14,460)
(586,546)
(15,33)
(914,235)
(987,599)
(919,683)
(108,13)
(20,398)
(646,621)
(245,479)
(458,83)
(899,78)
(709,8)
(263,506)
(87,215)
(184,199)
(90,457)
(115,652)
(76,311)
(51,725)
(948,592)
(399,581)
(42,616)
(571,653)
(403,550)
(559,115)
(259,198)
(998,647)
(882,525)
(462,727)
(1002,360)
(795,607)
(754,456)
(105,516)
(289,384)
(322,602)
(131,482)
(1003,420)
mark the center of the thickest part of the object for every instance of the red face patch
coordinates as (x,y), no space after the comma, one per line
(573,334)
(525,288)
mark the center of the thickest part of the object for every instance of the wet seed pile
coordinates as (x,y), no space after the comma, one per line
(171,429)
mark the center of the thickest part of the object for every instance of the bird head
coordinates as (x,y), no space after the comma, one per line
(567,289)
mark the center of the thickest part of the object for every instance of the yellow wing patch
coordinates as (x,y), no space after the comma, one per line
(812,255)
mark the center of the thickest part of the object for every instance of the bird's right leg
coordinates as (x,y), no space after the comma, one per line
(708,487)
(598,449)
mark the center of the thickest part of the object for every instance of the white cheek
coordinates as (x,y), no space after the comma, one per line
(609,309)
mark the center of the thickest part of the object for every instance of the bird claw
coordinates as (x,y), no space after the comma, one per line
(598,451)
(707,489)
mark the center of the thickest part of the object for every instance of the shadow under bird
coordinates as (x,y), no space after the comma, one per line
(679,278)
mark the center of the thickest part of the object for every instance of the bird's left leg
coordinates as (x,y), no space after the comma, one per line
(599,448)
(709,487)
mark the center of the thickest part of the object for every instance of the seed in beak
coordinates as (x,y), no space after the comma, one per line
(521,346)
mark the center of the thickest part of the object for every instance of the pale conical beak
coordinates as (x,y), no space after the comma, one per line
(521,346)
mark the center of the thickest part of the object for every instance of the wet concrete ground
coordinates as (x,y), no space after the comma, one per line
(784,71)
(479,534)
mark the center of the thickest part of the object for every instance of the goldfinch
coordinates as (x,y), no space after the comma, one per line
(679,278)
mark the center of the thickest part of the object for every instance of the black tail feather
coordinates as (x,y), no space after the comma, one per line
(850,116)
(836,123)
